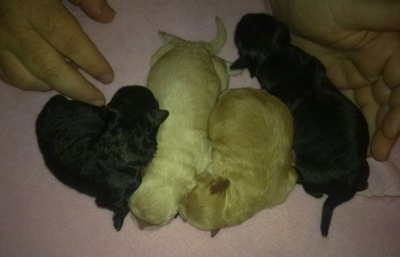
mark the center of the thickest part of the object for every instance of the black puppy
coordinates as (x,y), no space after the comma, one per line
(101,151)
(330,133)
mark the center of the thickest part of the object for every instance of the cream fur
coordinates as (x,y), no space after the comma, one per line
(186,78)
(251,132)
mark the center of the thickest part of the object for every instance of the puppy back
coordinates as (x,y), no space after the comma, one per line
(251,132)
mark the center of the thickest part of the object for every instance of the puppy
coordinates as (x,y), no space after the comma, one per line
(186,77)
(330,132)
(251,132)
(100,151)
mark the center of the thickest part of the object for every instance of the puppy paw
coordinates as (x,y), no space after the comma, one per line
(119,220)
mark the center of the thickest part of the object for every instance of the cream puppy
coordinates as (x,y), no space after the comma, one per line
(251,132)
(186,78)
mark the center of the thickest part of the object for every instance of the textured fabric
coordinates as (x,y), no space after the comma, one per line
(39,216)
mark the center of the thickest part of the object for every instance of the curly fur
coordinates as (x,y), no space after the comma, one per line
(330,132)
(186,77)
(251,132)
(100,151)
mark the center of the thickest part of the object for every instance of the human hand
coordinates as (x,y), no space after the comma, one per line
(42,46)
(358,41)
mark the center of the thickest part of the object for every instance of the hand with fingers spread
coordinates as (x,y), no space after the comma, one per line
(39,40)
(358,41)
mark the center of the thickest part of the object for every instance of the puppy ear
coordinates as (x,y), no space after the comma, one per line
(218,186)
(158,116)
(239,64)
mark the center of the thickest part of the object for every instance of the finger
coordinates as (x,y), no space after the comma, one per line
(13,72)
(65,34)
(363,96)
(391,73)
(349,93)
(98,10)
(391,123)
(381,92)
(353,75)
(381,146)
(336,75)
(381,114)
(395,97)
(48,65)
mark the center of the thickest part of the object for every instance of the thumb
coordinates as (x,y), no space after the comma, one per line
(98,10)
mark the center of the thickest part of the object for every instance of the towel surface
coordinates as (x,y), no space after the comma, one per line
(39,216)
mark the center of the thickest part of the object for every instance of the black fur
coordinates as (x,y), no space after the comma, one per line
(330,133)
(101,151)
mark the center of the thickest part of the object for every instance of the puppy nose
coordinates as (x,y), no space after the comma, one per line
(143,224)
(183,218)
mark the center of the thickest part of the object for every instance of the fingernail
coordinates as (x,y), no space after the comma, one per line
(97,102)
(106,78)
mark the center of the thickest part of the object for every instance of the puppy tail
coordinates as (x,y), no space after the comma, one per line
(327,210)
(220,39)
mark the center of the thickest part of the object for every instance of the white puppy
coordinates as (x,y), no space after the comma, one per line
(186,78)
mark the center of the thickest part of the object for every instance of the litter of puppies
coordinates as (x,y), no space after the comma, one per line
(188,146)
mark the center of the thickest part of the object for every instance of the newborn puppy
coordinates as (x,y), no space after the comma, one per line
(251,132)
(101,151)
(186,77)
(330,132)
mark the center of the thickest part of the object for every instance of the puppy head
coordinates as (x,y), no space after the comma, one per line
(131,100)
(135,125)
(155,204)
(257,35)
(204,206)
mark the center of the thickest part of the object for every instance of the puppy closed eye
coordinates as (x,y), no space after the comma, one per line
(219,186)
